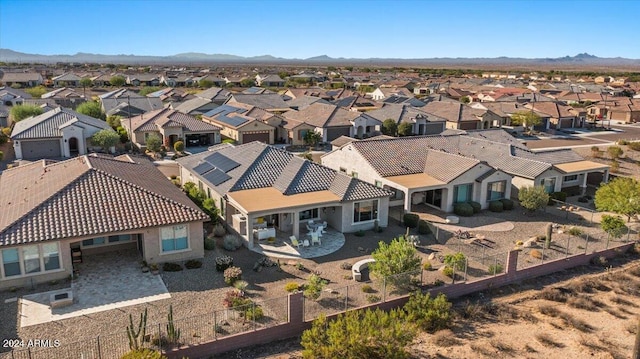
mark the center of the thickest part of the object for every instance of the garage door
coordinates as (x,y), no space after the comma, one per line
(34,150)
(258,136)
(333,133)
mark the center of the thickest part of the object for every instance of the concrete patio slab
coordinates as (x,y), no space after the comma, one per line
(105,281)
(282,248)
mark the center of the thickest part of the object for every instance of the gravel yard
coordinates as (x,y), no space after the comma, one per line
(197,293)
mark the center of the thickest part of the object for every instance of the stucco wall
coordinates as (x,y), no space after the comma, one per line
(152,245)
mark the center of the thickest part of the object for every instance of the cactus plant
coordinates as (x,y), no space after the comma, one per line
(137,336)
(173,334)
(547,242)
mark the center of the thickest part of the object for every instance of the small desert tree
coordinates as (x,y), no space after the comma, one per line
(117,81)
(312,138)
(621,196)
(359,334)
(393,259)
(430,314)
(527,119)
(20,112)
(389,127)
(154,143)
(93,109)
(533,198)
(105,138)
(405,129)
(613,225)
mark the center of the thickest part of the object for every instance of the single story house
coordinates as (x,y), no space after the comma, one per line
(460,116)
(332,121)
(87,205)
(24,79)
(54,134)
(255,182)
(237,125)
(172,126)
(125,103)
(66,80)
(444,169)
(422,123)
(204,101)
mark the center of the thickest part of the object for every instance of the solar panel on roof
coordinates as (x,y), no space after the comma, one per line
(222,162)
(203,167)
(216,177)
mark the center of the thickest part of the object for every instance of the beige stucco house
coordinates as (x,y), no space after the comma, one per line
(256,183)
(54,134)
(62,212)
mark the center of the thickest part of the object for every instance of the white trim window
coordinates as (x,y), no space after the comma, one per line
(549,184)
(174,238)
(496,190)
(463,193)
(31,259)
(570,178)
(365,211)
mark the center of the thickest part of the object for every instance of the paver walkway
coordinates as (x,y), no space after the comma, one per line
(105,281)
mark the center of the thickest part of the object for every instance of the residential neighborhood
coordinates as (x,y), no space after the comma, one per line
(318,185)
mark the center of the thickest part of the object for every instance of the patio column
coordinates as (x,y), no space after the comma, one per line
(407,201)
(249,231)
(583,185)
(605,176)
(296,225)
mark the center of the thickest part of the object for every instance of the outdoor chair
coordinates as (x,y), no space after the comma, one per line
(294,241)
(315,238)
(324,226)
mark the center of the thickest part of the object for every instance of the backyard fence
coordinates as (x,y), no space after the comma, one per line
(283,317)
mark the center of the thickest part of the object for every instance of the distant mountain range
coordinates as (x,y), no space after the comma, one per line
(583,59)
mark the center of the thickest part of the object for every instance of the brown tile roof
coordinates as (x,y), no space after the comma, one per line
(410,155)
(452,111)
(85,196)
(263,166)
(323,115)
(165,117)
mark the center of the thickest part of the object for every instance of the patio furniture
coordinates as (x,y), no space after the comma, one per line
(294,242)
(264,233)
(315,238)
(305,243)
(357,268)
(324,226)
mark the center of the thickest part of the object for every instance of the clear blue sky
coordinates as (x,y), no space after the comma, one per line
(305,28)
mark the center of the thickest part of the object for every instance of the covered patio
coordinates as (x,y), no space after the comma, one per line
(281,247)
(104,281)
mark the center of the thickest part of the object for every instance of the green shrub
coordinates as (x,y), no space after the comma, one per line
(457,260)
(235,299)
(622,142)
(559,196)
(372,298)
(477,207)
(171,267)
(254,312)
(240,285)
(430,314)
(496,206)
(143,354)
(507,204)
(292,287)
(495,268)
(423,227)
(231,242)
(634,145)
(359,334)
(427,266)
(209,244)
(314,286)
(366,289)
(410,220)
(463,209)
(193,264)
